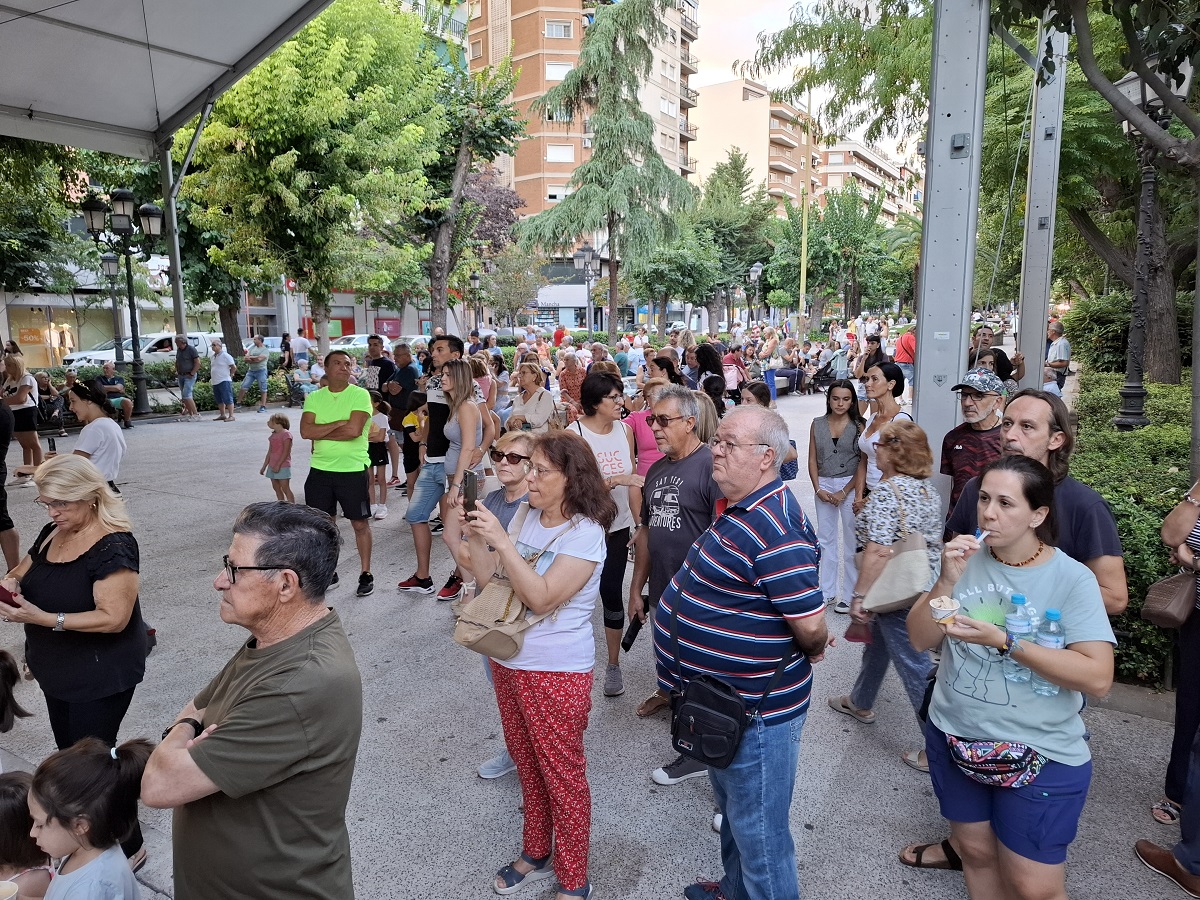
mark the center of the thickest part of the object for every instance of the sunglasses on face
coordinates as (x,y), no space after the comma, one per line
(513,459)
(663,421)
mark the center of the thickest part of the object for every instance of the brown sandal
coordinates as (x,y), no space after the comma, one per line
(952,862)
(652,705)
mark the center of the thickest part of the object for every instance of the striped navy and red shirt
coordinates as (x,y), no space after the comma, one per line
(751,571)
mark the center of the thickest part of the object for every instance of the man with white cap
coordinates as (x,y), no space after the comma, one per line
(968,448)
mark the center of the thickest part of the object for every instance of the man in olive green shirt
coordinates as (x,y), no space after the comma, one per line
(258,765)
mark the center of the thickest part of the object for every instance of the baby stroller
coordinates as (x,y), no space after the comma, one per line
(824,377)
(295,390)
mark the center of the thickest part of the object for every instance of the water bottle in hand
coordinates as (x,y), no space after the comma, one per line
(1017,622)
(1050,635)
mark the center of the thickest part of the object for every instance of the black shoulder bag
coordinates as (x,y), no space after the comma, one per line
(709,717)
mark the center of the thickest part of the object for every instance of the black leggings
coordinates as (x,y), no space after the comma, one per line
(612,578)
(99,718)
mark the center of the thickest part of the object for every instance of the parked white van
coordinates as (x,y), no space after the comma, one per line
(159,347)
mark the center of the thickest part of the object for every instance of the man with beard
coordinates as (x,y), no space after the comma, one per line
(970,447)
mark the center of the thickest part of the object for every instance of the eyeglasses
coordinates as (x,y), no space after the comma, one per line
(615,398)
(888,442)
(53,504)
(231,570)
(726,446)
(663,421)
(542,473)
(513,459)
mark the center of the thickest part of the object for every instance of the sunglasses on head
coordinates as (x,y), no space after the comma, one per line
(513,459)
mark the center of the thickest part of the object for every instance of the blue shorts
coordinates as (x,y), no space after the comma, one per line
(187,384)
(279,474)
(909,371)
(223,393)
(115,402)
(260,378)
(428,490)
(1037,821)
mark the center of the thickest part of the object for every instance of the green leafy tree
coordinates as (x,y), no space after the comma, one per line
(624,189)
(686,269)
(512,281)
(331,131)
(849,241)
(33,212)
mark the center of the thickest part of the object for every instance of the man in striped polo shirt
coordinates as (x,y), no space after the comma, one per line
(746,596)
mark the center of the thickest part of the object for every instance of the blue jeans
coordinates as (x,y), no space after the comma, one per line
(1187,851)
(427,491)
(187,383)
(755,798)
(258,377)
(890,643)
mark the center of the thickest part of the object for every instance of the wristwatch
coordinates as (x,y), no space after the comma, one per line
(196,727)
(61,624)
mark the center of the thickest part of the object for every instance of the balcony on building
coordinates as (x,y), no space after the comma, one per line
(686,163)
(781,186)
(688,64)
(783,159)
(782,133)
(438,19)
(687,131)
(687,24)
(688,97)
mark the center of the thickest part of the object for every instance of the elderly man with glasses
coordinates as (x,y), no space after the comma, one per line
(971,447)
(258,765)
(747,599)
(679,501)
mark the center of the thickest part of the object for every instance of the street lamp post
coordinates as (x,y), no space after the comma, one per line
(1132,413)
(103,222)
(583,258)
(755,274)
(112,268)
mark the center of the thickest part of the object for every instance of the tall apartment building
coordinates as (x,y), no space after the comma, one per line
(869,167)
(544,39)
(775,136)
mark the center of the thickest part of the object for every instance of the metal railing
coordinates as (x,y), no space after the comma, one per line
(689,60)
(686,127)
(689,24)
(687,162)
(688,93)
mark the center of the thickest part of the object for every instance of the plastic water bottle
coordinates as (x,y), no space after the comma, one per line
(1019,624)
(1050,635)
(1035,618)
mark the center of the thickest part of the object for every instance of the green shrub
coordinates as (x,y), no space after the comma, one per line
(1142,474)
(1097,328)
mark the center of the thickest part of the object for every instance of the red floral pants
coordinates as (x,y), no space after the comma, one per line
(544,715)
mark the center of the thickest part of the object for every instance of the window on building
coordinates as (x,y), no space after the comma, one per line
(476,49)
(557,115)
(834,181)
(557,71)
(560,153)
(668,105)
(555,192)
(670,71)
(476,9)
(559,29)
(835,159)
(667,141)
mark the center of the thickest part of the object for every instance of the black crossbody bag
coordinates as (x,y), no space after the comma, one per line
(709,717)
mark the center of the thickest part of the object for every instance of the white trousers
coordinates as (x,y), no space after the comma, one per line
(835,533)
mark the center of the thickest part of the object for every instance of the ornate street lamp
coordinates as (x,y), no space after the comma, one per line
(583,258)
(113,225)
(755,274)
(1132,413)
(475,297)
(112,268)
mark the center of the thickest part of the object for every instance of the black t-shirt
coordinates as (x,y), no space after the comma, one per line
(78,666)
(1004,366)
(679,502)
(406,377)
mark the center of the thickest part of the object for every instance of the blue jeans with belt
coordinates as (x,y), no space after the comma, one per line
(754,795)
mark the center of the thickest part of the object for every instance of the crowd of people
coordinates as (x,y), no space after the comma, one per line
(546,485)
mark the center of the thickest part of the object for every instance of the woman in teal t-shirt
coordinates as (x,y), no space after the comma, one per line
(1010,766)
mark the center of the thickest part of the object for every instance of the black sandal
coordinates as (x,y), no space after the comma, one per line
(952,862)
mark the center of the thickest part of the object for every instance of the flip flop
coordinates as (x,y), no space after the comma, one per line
(844,706)
(652,705)
(1166,812)
(912,758)
(514,880)
(951,863)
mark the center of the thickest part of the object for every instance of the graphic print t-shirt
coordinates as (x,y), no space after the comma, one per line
(678,503)
(972,698)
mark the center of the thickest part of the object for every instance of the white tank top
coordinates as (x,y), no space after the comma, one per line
(614,458)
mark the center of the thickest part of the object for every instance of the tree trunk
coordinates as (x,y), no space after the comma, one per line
(614,267)
(318,305)
(443,241)
(1162,363)
(662,315)
(818,311)
(714,315)
(230,330)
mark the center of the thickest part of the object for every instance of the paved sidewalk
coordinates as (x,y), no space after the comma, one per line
(424,826)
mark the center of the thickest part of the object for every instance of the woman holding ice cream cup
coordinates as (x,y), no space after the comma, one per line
(1009,763)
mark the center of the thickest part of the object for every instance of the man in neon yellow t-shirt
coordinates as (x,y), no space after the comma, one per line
(336,419)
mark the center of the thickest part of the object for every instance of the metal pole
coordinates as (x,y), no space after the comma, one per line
(171,234)
(1195,361)
(1132,413)
(1037,258)
(957,85)
(588,283)
(804,257)
(118,338)
(141,401)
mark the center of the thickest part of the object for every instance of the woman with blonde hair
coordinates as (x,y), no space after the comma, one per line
(21,395)
(768,357)
(708,420)
(76,593)
(534,406)
(464,430)
(481,371)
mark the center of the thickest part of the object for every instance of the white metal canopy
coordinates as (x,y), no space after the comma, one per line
(124,75)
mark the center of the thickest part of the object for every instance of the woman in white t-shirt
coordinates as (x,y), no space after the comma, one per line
(21,395)
(545,691)
(100,440)
(885,384)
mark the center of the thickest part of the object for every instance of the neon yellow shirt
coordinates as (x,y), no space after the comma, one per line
(326,407)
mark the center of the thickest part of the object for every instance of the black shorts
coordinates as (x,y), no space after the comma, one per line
(377,453)
(327,490)
(25,419)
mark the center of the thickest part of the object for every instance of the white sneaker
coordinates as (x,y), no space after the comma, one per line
(381,511)
(716,822)
(498,767)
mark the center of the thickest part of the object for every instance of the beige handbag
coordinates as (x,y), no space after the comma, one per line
(1170,602)
(495,620)
(906,575)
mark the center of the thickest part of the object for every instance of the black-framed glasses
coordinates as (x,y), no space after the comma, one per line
(513,459)
(615,398)
(663,421)
(53,504)
(231,570)
(727,446)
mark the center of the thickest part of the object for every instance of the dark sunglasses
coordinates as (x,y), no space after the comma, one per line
(663,421)
(514,459)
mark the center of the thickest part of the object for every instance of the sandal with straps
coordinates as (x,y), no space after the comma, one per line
(586,892)
(514,880)
(952,862)
(1166,812)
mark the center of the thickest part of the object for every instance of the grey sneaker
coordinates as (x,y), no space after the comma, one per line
(498,766)
(614,684)
(841,607)
(681,770)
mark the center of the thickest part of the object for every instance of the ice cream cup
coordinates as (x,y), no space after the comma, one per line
(944,609)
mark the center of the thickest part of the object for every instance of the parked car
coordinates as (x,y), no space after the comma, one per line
(274,344)
(349,340)
(159,347)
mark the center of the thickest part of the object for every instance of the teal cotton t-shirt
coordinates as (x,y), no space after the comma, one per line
(972,698)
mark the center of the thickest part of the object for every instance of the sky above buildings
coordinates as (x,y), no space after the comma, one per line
(728,32)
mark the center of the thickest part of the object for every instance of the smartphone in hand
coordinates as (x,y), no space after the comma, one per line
(6,596)
(470,490)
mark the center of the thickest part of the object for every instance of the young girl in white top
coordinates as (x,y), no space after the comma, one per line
(84,803)
(377,455)
(22,862)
